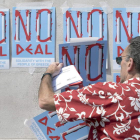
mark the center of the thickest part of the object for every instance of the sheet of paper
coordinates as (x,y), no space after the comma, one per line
(68,75)
(33,36)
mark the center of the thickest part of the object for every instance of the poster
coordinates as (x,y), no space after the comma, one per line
(78,24)
(4,38)
(89,60)
(126,25)
(46,126)
(33,37)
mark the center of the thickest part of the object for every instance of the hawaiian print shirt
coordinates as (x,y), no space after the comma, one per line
(111,110)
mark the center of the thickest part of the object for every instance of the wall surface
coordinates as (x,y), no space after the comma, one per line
(19,88)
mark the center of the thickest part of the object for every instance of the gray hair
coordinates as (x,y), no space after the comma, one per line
(134,52)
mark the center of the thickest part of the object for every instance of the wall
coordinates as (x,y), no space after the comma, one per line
(19,89)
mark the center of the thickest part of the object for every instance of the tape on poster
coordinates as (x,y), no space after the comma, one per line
(25,122)
(64,7)
(82,7)
(132,8)
(34,5)
(106,8)
(4,10)
(83,41)
(31,70)
(76,7)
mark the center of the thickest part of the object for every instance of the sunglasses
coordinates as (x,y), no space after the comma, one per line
(119,59)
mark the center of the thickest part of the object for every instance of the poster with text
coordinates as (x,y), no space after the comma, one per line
(33,37)
(89,60)
(4,38)
(46,126)
(78,24)
(126,25)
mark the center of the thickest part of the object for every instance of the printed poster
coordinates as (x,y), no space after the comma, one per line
(89,60)
(78,24)
(33,37)
(4,38)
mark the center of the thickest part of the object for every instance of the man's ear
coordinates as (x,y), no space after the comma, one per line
(130,64)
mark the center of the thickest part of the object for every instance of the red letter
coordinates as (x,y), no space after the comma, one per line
(117,79)
(3,40)
(87,52)
(138,23)
(119,48)
(49,130)
(28,49)
(89,14)
(54,137)
(65,52)
(68,15)
(118,15)
(1,52)
(37,16)
(46,50)
(17,13)
(42,121)
(38,48)
(17,49)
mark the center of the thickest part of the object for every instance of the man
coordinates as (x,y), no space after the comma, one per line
(111,110)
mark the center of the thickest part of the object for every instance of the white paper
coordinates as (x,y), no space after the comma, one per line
(83,41)
(67,76)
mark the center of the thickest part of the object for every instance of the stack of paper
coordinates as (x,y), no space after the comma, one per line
(68,75)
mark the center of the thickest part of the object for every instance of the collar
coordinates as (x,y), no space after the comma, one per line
(132,80)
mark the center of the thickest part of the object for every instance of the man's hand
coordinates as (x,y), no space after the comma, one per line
(46,93)
(54,68)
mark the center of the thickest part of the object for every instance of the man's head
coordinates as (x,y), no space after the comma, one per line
(130,64)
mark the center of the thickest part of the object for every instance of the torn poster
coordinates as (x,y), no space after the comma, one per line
(33,37)
(4,38)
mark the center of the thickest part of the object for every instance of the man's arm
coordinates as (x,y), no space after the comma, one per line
(46,94)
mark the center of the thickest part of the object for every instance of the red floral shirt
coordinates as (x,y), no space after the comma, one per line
(111,110)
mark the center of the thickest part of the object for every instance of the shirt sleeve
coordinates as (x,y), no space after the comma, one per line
(92,101)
